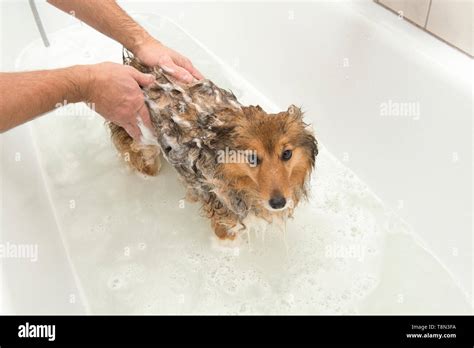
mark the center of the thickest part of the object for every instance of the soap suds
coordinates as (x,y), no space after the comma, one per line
(138,247)
(147,137)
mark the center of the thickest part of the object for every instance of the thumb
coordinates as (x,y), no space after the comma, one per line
(143,80)
(133,131)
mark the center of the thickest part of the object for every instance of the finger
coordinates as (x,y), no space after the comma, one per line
(145,125)
(186,64)
(178,72)
(196,73)
(144,115)
(143,80)
(133,131)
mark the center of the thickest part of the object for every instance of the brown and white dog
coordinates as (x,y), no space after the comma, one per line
(238,161)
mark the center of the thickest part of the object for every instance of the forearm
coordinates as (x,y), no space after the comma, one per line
(26,95)
(107,17)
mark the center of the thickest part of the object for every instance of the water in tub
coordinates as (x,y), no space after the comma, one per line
(138,247)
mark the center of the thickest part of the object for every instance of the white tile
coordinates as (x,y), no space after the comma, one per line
(452,20)
(414,10)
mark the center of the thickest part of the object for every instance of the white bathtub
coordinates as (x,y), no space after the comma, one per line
(343,61)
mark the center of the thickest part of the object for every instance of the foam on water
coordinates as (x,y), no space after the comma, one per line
(138,247)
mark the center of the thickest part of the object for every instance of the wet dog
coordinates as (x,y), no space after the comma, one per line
(238,161)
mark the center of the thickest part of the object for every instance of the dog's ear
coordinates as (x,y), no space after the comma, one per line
(306,138)
(295,112)
(252,110)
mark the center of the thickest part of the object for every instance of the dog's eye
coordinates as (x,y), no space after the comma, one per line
(286,155)
(253,160)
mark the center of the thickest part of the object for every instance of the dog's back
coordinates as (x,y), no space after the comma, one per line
(193,123)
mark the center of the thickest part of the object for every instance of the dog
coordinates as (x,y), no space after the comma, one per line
(238,161)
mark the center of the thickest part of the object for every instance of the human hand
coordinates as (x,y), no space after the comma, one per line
(152,52)
(114,91)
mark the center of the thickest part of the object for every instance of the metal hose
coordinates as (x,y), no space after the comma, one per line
(39,24)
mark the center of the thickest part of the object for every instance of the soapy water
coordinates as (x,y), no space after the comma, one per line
(138,247)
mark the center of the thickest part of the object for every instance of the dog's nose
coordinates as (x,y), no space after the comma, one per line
(277,202)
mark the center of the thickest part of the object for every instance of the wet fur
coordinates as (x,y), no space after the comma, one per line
(195,122)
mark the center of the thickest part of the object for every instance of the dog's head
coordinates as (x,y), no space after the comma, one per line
(273,157)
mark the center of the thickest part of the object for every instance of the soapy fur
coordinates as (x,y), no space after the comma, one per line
(197,121)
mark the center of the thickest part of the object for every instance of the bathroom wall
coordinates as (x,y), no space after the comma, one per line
(448,20)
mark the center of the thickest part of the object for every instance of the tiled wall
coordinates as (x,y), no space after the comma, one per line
(449,20)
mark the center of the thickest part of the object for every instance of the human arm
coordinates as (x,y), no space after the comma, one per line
(112,89)
(110,19)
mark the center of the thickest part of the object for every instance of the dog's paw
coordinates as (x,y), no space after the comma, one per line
(227,245)
(145,159)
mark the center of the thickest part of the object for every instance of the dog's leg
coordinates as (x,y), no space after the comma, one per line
(191,195)
(222,231)
(144,158)
(223,221)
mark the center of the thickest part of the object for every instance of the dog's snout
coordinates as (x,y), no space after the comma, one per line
(277,201)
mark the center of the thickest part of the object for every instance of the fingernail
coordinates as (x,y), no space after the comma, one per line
(188,78)
(167,69)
